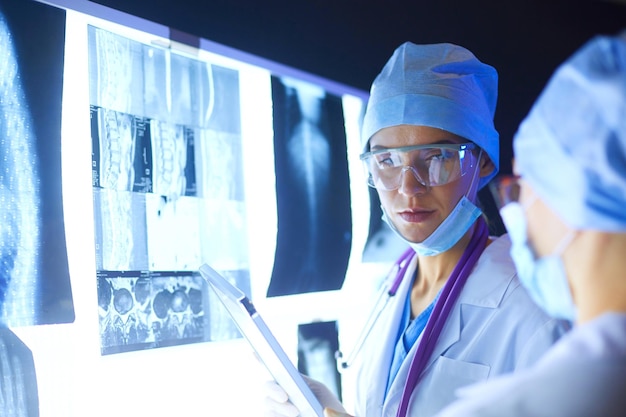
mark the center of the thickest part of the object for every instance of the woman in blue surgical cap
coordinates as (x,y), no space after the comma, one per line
(566,215)
(459,314)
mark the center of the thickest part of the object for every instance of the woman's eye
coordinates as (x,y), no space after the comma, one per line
(443,155)
(434,156)
(386,160)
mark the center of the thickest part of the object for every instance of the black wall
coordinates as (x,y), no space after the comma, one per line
(350,40)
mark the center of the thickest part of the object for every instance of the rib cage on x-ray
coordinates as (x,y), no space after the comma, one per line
(312,188)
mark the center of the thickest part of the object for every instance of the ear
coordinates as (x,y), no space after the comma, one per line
(486,166)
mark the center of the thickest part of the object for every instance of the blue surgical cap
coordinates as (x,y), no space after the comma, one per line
(571,148)
(441,85)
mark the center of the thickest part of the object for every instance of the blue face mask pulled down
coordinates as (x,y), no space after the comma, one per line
(544,278)
(452,229)
(448,233)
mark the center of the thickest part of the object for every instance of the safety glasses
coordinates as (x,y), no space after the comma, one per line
(432,165)
(505,189)
(508,189)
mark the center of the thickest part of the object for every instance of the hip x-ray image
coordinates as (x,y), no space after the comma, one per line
(34,276)
(312,187)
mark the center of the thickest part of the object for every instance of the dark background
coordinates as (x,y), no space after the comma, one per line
(350,40)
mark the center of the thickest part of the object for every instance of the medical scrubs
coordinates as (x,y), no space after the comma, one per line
(412,329)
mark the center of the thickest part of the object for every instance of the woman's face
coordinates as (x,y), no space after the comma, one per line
(414,209)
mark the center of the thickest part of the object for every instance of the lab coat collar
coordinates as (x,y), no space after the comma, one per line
(485,288)
(492,266)
(386,331)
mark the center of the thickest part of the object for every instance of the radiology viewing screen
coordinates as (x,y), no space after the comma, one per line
(132,154)
(166,156)
(188,155)
(198,157)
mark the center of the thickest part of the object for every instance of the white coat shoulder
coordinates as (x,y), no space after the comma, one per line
(584,374)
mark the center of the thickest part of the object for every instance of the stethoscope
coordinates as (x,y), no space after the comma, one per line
(399,268)
(387,292)
(442,309)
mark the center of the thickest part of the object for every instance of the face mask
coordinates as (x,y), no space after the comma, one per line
(452,229)
(448,232)
(544,278)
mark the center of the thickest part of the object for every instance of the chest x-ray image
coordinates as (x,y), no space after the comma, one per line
(312,187)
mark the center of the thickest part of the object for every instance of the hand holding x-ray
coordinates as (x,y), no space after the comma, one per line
(329,412)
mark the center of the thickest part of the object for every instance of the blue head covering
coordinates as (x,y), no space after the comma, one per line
(443,86)
(571,147)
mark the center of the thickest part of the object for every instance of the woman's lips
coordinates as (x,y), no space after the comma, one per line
(415,216)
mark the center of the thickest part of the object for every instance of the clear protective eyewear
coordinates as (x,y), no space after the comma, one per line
(432,165)
(505,189)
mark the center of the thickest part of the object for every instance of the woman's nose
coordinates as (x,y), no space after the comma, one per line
(410,182)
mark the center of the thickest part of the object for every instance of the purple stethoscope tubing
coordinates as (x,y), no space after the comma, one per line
(401,264)
(447,299)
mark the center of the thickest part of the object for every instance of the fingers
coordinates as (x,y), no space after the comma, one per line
(277,402)
(278,409)
(275,392)
(324,395)
(329,412)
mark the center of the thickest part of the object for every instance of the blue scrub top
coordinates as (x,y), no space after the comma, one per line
(410,331)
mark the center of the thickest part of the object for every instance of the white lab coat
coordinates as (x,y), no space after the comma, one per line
(583,375)
(493,328)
